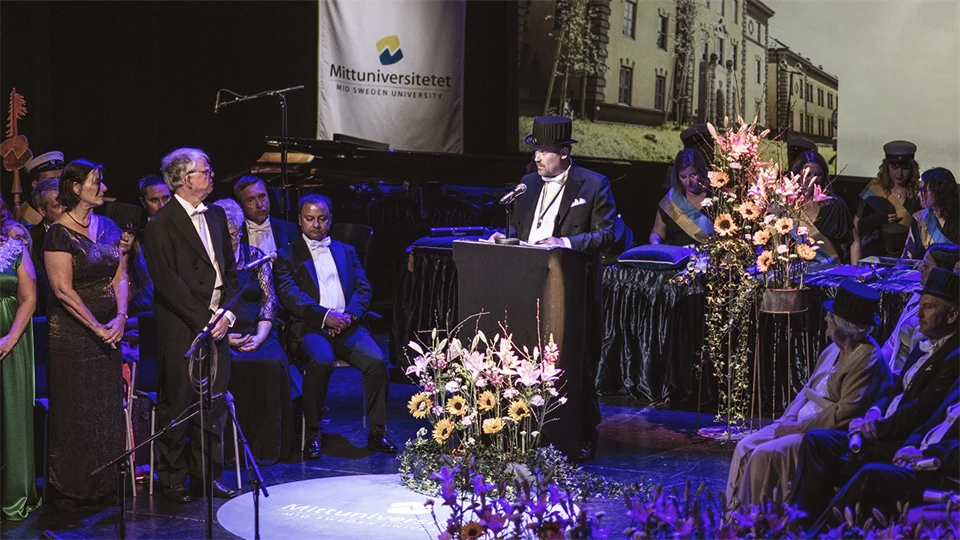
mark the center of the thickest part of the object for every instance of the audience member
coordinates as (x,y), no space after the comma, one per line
(154,194)
(45,198)
(322,285)
(128,217)
(848,378)
(259,229)
(828,219)
(48,165)
(680,220)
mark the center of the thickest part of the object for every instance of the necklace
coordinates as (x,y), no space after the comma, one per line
(77,222)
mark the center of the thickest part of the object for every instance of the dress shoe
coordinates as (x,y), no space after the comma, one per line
(377,441)
(219,490)
(588,451)
(177,494)
(311,450)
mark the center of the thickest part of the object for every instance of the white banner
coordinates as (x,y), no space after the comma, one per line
(392,71)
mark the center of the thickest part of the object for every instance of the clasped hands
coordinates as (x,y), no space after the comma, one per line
(551,241)
(245,342)
(866,426)
(112,332)
(336,322)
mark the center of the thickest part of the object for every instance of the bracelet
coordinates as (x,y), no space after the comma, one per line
(121,314)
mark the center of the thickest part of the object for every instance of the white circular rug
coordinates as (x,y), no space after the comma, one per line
(341,508)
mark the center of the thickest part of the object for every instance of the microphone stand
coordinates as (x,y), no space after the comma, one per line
(253,471)
(282,94)
(201,342)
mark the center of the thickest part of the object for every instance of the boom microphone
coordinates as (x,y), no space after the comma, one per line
(257,262)
(216,105)
(517,191)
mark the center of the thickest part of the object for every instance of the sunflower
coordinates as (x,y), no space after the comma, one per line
(724,225)
(518,410)
(718,179)
(487,401)
(457,406)
(749,210)
(784,225)
(764,261)
(420,405)
(472,530)
(442,430)
(492,425)
(806,252)
(761,237)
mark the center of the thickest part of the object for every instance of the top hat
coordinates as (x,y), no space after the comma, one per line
(126,216)
(944,284)
(855,302)
(900,151)
(551,131)
(802,143)
(51,161)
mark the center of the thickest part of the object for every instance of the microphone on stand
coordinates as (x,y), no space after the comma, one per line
(517,191)
(257,262)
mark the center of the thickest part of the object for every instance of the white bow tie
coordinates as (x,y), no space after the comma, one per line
(925,345)
(200,210)
(315,245)
(263,228)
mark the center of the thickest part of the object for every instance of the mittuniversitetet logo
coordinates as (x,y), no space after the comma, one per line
(390,52)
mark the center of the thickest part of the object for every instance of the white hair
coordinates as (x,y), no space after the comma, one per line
(177,164)
(233,211)
(854,331)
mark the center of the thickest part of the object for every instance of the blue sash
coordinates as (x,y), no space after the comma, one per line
(692,221)
(930,231)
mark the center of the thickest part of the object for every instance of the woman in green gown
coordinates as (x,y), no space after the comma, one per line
(18,299)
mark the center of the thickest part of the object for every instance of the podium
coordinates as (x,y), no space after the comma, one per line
(506,282)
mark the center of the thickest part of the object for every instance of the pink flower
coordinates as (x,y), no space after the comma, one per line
(802,231)
(549,372)
(782,249)
(537,400)
(453,386)
(420,364)
(528,374)
(475,363)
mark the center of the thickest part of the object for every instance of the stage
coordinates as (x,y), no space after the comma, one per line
(306,496)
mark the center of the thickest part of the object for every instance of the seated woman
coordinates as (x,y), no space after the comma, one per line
(259,380)
(680,220)
(891,197)
(939,221)
(827,220)
(850,374)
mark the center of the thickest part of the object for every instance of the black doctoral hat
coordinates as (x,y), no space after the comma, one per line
(855,302)
(126,216)
(900,151)
(944,284)
(802,144)
(551,131)
(695,135)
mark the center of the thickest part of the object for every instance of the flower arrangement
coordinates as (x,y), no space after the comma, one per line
(487,399)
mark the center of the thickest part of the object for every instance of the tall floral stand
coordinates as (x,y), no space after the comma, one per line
(776,302)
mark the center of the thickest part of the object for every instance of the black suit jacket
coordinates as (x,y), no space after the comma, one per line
(588,225)
(182,272)
(284,232)
(947,449)
(298,290)
(923,395)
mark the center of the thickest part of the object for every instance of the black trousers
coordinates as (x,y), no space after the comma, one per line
(825,463)
(880,486)
(316,353)
(178,457)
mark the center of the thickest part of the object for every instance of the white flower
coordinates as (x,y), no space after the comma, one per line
(510,393)
(781,249)
(466,420)
(563,400)
(706,203)
(534,433)
(802,231)
(437,410)
(481,382)
(769,219)
(552,391)
(421,432)
(471,441)
(536,400)
(453,386)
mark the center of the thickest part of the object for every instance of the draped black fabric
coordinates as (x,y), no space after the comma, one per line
(836,223)
(426,299)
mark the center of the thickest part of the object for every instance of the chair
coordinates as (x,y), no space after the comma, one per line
(146,387)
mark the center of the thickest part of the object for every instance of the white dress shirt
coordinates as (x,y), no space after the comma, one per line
(904,337)
(328,278)
(936,434)
(261,236)
(552,191)
(199,220)
(929,348)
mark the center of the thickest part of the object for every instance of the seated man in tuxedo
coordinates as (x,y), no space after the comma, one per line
(826,461)
(567,205)
(259,229)
(322,286)
(907,334)
(929,454)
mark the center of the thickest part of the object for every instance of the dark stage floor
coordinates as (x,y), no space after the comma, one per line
(636,444)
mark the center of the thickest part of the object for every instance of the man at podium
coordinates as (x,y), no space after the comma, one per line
(569,206)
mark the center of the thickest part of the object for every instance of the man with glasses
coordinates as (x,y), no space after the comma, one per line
(190,258)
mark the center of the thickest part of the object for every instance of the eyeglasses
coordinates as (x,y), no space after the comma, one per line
(208,173)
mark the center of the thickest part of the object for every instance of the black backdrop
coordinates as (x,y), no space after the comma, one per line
(123,83)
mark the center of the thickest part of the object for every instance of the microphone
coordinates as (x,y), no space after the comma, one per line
(257,262)
(929,464)
(932,496)
(216,105)
(517,191)
(855,442)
